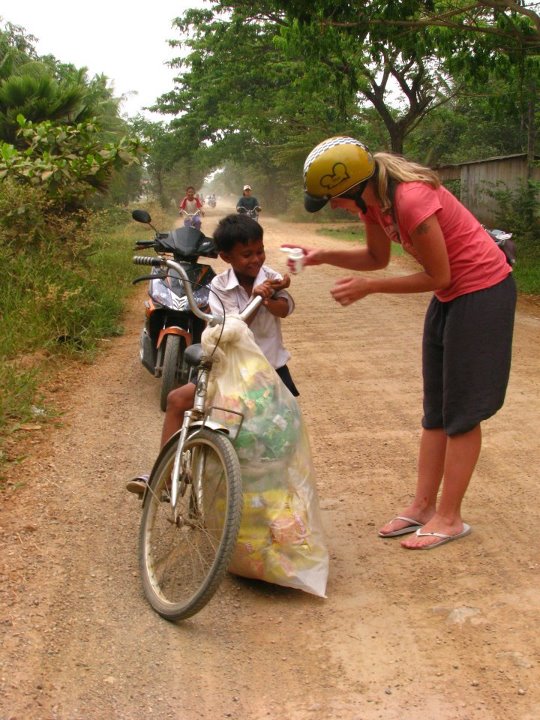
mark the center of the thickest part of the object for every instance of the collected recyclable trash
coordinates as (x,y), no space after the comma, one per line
(281,538)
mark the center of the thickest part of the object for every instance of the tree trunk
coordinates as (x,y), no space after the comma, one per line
(531,128)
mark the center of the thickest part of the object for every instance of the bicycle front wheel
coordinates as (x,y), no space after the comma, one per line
(184,554)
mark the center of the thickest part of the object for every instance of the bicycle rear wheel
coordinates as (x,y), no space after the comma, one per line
(183,560)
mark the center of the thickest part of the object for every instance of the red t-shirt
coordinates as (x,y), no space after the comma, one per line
(476,262)
(190,206)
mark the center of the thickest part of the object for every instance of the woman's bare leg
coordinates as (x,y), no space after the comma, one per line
(430,473)
(462,452)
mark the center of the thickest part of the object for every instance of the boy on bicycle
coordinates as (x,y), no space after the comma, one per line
(239,240)
(190,204)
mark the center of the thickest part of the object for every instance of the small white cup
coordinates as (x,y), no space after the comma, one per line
(296,255)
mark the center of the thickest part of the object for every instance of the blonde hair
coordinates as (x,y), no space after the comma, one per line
(396,169)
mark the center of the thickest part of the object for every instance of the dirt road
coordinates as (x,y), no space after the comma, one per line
(449,634)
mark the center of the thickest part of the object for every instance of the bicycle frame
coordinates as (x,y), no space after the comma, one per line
(192,219)
(198,417)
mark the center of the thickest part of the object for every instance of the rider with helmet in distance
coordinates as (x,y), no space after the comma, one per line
(248,203)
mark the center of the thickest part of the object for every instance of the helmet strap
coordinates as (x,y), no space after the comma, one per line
(356,195)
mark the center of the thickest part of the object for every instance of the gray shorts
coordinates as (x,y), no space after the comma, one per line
(466,357)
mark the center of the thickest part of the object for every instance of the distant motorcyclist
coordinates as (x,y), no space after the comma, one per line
(249,203)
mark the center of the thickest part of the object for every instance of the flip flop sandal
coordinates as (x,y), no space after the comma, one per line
(443,538)
(413,526)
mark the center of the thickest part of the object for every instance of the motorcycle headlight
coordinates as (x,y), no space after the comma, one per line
(160,293)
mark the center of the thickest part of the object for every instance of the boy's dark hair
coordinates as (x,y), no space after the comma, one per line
(190,187)
(234,229)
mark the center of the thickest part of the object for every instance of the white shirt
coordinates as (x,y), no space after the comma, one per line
(266,328)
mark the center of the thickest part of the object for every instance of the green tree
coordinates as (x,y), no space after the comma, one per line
(322,69)
(487,50)
(380,69)
(169,168)
(69,162)
(16,47)
(511,24)
(33,93)
(230,107)
(60,130)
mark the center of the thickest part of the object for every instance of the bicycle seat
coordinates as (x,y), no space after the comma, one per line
(193,354)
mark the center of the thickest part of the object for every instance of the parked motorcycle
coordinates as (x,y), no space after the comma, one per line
(504,240)
(250,213)
(193,220)
(169,325)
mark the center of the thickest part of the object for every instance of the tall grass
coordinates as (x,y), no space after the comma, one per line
(57,303)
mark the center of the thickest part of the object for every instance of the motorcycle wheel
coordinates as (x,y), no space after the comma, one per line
(171,376)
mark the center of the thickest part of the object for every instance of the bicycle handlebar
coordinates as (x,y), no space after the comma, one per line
(160,261)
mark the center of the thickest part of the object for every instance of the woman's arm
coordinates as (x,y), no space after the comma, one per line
(430,251)
(374,256)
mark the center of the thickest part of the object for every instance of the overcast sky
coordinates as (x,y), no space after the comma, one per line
(126,41)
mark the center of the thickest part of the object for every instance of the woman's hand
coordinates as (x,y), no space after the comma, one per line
(350,289)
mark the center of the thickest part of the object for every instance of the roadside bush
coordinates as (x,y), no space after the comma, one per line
(29,222)
(70,162)
(64,290)
(60,295)
(519,213)
(519,210)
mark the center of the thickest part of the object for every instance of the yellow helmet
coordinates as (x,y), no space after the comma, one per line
(333,167)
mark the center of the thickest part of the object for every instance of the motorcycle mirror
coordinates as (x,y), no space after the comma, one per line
(141,216)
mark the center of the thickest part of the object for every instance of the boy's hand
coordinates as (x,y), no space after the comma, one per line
(265,289)
(280,284)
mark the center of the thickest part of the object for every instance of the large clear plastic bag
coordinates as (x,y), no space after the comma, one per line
(281,538)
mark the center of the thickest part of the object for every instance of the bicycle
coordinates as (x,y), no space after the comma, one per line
(253,213)
(192,507)
(192,219)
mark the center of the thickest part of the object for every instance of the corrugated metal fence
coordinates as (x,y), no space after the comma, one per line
(470,180)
